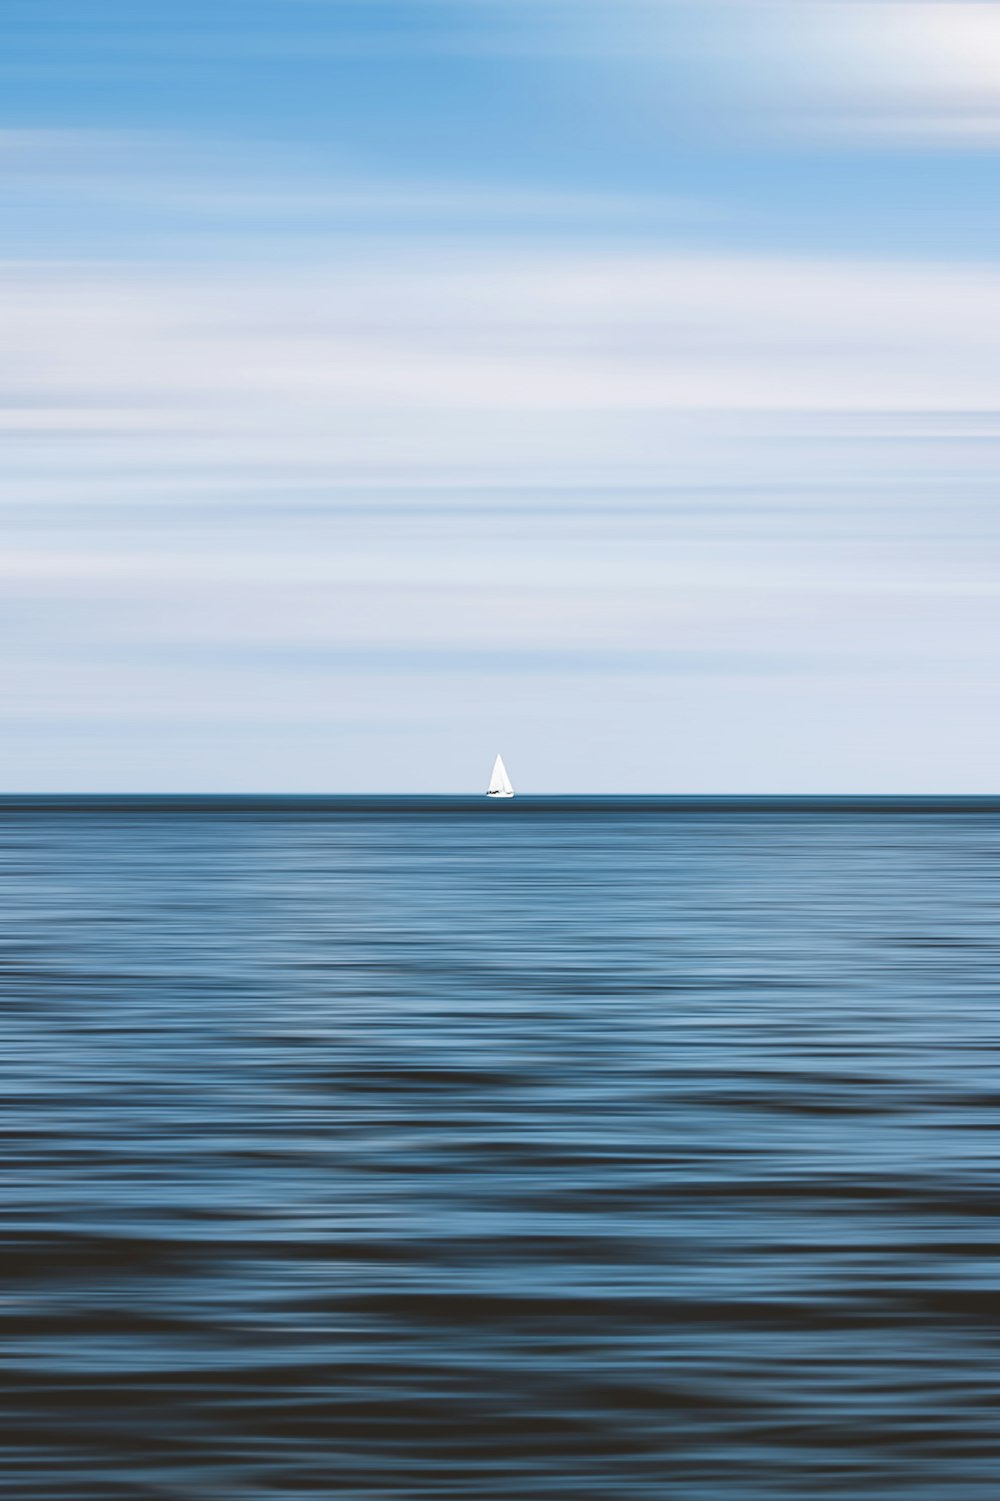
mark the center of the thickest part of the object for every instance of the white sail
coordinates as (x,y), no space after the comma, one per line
(500,781)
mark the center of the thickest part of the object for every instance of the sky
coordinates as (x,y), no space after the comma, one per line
(612,383)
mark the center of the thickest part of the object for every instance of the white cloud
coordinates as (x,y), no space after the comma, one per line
(399,359)
(928,50)
(918,72)
(901,70)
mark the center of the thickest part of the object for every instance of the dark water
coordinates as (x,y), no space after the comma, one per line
(452,1149)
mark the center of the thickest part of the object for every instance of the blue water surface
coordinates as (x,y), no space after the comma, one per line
(444,1148)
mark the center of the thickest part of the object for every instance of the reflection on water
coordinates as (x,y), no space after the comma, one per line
(447,1149)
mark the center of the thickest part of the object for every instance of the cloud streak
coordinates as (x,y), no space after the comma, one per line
(897,72)
(398,361)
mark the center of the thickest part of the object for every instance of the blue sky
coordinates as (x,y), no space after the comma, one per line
(612,384)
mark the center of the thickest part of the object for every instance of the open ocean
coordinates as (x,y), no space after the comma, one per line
(438,1148)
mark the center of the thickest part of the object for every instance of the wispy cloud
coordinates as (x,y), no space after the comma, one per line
(400,356)
(896,72)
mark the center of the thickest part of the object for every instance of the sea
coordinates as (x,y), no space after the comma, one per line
(425,1149)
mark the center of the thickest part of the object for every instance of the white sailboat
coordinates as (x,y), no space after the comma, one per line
(500,781)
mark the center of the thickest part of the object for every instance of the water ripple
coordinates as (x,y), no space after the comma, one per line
(426,1150)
